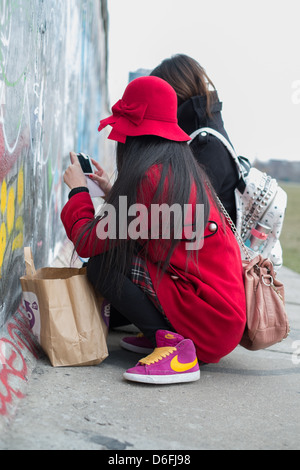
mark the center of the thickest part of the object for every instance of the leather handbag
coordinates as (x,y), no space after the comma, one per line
(267,320)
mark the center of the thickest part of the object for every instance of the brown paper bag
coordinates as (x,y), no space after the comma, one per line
(65,313)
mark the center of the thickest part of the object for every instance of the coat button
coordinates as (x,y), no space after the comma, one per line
(175,278)
(212,227)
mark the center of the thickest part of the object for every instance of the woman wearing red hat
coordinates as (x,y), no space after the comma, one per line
(199,107)
(187,299)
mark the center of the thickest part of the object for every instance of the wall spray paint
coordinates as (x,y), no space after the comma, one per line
(53,62)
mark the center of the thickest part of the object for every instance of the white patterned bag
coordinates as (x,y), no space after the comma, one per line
(258,199)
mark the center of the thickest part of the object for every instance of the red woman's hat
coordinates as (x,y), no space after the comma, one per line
(148,107)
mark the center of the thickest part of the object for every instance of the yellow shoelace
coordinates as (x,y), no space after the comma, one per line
(157,355)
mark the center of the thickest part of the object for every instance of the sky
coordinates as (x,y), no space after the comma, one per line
(249,48)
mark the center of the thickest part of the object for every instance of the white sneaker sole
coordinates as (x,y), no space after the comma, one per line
(163,379)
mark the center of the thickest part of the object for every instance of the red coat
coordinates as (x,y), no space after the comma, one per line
(206,301)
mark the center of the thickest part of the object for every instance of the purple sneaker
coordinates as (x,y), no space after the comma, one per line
(138,344)
(173,361)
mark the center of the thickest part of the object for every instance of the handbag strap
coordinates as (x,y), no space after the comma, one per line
(247,253)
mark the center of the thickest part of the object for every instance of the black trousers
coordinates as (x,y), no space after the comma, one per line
(129,304)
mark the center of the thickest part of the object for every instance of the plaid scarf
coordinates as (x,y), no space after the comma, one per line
(140,276)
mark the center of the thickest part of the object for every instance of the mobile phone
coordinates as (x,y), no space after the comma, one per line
(85,163)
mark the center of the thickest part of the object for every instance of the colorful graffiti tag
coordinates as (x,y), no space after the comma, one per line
(53,92)
(13,365)
(52,95)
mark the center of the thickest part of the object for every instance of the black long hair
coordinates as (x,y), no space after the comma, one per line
(178,168)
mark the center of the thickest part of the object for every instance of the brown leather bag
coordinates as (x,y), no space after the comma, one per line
(267,321)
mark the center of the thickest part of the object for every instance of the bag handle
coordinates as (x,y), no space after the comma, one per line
(247,253)
(209,130)
(29,262)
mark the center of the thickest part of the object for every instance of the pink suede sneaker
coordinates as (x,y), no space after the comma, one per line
(138,344)
(173,361)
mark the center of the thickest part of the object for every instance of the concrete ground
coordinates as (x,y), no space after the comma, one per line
(248,401)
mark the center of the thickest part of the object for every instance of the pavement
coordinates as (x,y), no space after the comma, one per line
(249,401)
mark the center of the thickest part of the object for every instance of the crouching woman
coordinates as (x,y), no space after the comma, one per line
(185,293)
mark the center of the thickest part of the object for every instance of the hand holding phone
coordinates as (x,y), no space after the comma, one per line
(73,176)
(101,177)
(86,165)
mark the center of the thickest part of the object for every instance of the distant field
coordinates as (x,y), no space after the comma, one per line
(290,237)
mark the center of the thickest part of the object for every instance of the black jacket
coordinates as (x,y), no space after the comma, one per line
(208,150)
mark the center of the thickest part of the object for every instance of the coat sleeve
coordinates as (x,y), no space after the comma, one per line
(76,215)
(79,212)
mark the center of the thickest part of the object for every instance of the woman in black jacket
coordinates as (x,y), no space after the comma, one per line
(199,106)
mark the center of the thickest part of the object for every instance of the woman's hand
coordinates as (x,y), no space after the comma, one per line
(101,177)
(74,176)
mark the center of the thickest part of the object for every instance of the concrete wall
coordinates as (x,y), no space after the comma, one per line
(53,63)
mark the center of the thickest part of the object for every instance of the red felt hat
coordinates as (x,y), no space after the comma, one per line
(148,107)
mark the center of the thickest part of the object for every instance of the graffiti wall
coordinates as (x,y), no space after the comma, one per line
(52,95)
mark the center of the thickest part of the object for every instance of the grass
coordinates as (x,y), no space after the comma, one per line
(290,237)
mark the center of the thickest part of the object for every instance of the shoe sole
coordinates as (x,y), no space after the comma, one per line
(135,349)
(163,379)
